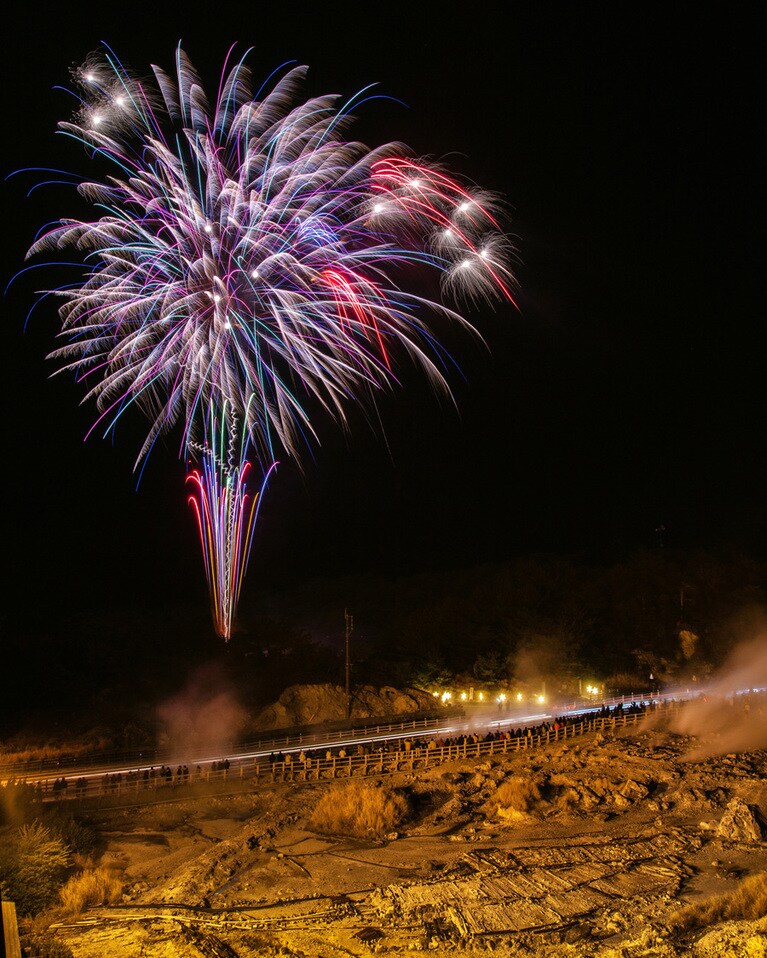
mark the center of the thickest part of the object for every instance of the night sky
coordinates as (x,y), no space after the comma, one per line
(626,393)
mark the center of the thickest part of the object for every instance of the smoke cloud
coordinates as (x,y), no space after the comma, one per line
(729,716)
(204,717)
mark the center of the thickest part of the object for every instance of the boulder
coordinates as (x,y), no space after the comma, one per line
(739,824)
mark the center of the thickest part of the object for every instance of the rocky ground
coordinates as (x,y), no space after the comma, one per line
(617,833)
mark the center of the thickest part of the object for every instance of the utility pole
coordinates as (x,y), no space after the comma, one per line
(349,629)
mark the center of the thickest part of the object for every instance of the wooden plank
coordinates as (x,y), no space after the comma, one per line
(10,931)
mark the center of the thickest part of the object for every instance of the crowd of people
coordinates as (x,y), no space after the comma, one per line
(417,746)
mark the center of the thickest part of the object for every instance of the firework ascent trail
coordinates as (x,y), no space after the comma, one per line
(246,270)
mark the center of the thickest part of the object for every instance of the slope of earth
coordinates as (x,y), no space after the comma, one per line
(609,838)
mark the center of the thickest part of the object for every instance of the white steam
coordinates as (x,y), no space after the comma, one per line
(729,716)
(205,717)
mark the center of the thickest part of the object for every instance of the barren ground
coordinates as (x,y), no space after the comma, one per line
(624,832)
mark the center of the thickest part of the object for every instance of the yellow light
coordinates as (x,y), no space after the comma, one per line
(502,697)
(463,696)
(519,696)
(541,699)
(482,696)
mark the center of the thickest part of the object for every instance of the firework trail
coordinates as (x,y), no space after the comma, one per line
(226,513)
(244,271)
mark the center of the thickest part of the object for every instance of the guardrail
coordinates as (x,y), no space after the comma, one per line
(390,757)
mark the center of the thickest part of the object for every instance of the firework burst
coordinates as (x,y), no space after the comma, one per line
(246,269)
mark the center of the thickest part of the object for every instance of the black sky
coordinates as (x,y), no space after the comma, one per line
(625,394)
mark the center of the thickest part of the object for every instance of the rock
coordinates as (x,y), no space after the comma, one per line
(563,781)
(739,824)
(600,786)
(589,799)
(634,791)
(732,938)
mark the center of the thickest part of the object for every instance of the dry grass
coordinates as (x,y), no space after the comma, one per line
(747,902)
(93,886)
(17,752)
(360,810)
(516,794)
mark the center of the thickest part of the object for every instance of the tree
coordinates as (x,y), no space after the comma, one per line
(32,867)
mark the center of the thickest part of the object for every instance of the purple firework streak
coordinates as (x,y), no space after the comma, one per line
(244,272)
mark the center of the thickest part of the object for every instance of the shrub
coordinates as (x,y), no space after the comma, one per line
(516,794)
(746,902)
(81,839)
(92,886)
(361,810)
(32,867)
